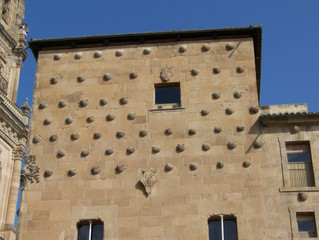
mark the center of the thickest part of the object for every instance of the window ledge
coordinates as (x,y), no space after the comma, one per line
(299,189)
(166,109)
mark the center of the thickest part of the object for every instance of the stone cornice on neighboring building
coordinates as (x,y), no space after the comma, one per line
(284,119)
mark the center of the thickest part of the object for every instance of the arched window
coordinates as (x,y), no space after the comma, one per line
(222,227)
(90,229)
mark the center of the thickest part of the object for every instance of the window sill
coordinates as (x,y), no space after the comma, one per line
(299,189)
(166,109)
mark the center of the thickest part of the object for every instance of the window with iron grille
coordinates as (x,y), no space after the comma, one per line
(306,224)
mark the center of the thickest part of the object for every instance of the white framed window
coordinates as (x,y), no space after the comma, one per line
(91,229)
(222,227)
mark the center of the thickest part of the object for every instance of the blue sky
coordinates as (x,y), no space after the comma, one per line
(290,34)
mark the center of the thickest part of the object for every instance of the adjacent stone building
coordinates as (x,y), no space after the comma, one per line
(160,136)
(13,121)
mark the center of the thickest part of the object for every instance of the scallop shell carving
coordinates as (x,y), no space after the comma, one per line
(78,55)
(168,131)
(182,48)
(95,170)
(57,57)
(246,163)
(206,47)
(220,164)
(240,128)
(258,144)
(254,110)
(85,153)
(110,117)
(131,116)
(119,53)
(47,173)
(195,72)
(53,138)
(133,75)
(156,149)
(107,77)
(191,132)
(97,135)
(119,168)
(37,139)
(216,95)
(302,196)
(130,150)
(218,129)
(60,154)
(168,167)
(180,148)
(103,101)
(240,69)
(295,129)
(143,133)
(123,100)
(43,105)
(90,119)
(205,147)
(69,120)
(193,166)
(62,103)
(84,103)
(229,111)
(109,151)
(146,51)
(204,112)
(217,70)
(81,78)
(53,80)
(230,47)
(71,172)
(120,134)
(97,54)
(47,121)
(237,94)
(75,136)
(231,145)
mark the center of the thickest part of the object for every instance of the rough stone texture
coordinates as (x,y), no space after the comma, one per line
(197,187)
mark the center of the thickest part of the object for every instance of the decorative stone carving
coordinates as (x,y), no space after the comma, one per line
(130,150)
(204,112)
(97,54)
(143,133)
(85,153)
(205,47)
(110,117)
(75,136)
(83,103)
(216,95)
(120,134)
(246,163)
(240,128)
(240,69)
(57,57)
(60,154)
(97,135)
(166,74)
(69,120)
(231,145)
(107,76)
(254,110)
(295,129)
(220,164)
(109,151)
(47,121)
(53,80)
(156,149)
(71,172)
(47,173)
(30,172)
(81,78)
(229,111)
(218,129)
(182,48)
(36,139)
(131,116)
(237,94)
(133,75)
(148,179)
(78,55)
(119,53)
(193,166)
(258,144)
(302,196)
(95,170)
(205,147)
(53,138)
(168,167)
(43,105)
(123,100)
(147,51)
(230,47)
(25,106)
(103,101)
(168,131)
(194,72)
(180,148)
(119,169)
(191,132)
(62,103)
(217,70)
(90,119)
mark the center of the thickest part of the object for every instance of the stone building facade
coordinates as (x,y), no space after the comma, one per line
(161,136)
(13,121)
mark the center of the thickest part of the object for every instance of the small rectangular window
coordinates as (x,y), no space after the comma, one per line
(168,93)
(90,230)
(306,224)
(223,225)
(300,164)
